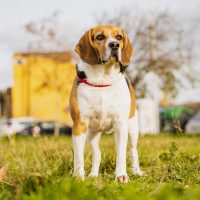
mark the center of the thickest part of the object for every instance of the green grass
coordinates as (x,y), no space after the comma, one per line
(41,168)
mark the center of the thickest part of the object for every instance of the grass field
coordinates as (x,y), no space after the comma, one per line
(41,168)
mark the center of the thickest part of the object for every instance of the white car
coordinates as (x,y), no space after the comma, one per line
(14,125)
(193,126)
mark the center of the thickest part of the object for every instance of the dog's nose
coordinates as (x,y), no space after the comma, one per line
(114,45)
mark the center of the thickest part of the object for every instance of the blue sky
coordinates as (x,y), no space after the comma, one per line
(78,15)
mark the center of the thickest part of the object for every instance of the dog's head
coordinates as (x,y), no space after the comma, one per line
(104,43)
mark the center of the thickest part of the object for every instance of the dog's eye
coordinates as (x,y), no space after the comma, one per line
(119,37)
(100,37)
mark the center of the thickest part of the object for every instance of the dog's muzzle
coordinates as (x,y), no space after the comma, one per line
(114,52)
(114,46)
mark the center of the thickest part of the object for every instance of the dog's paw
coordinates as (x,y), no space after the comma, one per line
(93,174)
(122,179)
(80,176)
(138,171)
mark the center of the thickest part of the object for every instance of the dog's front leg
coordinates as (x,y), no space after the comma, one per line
(121,137)
(79,144)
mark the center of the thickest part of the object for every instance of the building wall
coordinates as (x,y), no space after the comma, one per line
(148,110)
(42,87)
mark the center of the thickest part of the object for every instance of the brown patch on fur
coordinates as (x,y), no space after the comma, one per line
(133,102)
(85,49)
(127,50)
(78,125)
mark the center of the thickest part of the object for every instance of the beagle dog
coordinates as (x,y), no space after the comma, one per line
(102,100)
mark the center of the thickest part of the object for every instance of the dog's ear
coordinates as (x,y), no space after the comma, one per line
(86,50)
(127,50)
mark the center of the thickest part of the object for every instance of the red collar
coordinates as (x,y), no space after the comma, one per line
(91,84)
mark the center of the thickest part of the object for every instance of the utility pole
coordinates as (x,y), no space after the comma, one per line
(153,31)
(0,105)
(2,96)
(154,57)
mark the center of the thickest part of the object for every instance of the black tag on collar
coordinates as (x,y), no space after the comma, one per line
(80,74)
(122,68)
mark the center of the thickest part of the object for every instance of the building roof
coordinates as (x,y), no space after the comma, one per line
(194,106)
(64,56)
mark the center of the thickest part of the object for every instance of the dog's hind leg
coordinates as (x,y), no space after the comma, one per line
(93,139)
(133,133)
(121,138)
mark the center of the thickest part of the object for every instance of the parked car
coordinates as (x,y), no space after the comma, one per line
(64,129)
(29,126)
(193,126)
(48,127)
(9,127)
(16,126)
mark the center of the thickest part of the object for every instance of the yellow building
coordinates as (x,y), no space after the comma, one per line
(42,84)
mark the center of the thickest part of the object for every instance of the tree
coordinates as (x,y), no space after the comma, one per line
(161,48)
(47,37)
(47,34)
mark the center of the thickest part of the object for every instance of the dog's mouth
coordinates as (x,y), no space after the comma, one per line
(114,56)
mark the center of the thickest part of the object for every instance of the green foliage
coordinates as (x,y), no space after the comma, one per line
(41,168)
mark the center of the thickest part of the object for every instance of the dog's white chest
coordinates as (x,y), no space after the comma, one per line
(102,107)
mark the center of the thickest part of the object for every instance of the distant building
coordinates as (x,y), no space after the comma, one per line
(148,110)
(42,84)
